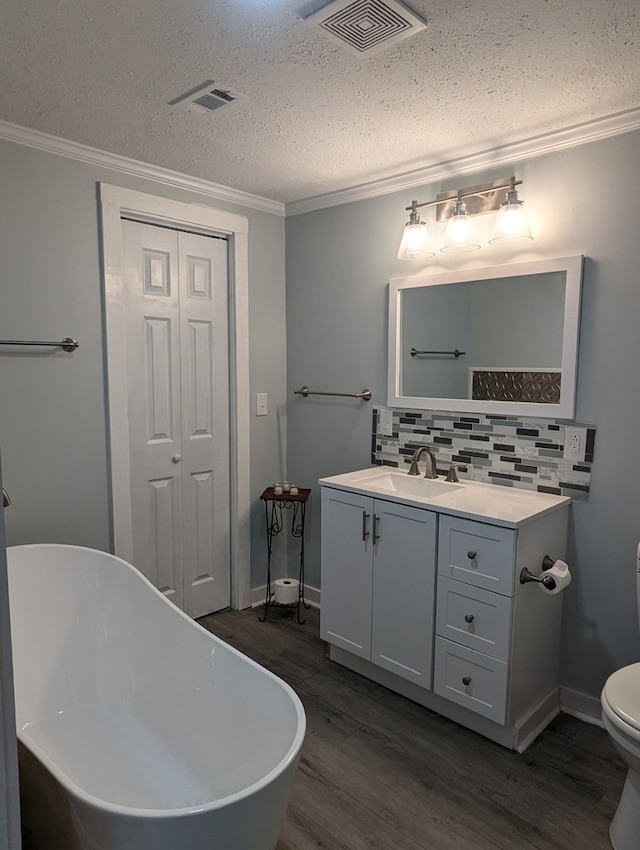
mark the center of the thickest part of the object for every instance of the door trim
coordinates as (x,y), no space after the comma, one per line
(117,203)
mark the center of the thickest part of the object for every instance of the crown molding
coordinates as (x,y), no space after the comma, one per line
(556,140)
(135,168)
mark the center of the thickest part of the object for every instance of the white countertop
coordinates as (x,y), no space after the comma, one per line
(497,504)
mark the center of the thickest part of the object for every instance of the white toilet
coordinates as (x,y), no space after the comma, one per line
(621,715)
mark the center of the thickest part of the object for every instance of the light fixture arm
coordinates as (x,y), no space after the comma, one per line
(510,186)
(414,215)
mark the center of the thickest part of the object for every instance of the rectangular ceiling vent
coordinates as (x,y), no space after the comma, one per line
(205,98)
(367,26)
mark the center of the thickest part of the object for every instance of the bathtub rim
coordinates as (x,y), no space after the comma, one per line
(200,808)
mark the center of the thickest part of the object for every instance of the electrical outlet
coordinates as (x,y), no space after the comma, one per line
(385,421)
(262,400)
(575,440)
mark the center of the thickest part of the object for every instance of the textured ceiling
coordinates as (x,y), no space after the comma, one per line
(315,118)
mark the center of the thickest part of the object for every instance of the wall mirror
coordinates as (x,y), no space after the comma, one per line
(500,339)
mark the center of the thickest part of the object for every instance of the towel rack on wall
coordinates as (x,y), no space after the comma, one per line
(456,353)
(305,391)
(67,344)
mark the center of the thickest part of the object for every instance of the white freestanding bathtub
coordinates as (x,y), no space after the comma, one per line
(139,730)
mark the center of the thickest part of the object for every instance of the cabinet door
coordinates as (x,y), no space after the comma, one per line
(346,564)
(404,591)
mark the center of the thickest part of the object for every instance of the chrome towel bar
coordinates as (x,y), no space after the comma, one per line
(414,351)
(305,391)
(66,344)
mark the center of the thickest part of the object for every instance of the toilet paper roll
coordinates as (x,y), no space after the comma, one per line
(561,575)
(285,591)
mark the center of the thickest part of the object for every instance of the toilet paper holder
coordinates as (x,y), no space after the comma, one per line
(548,581)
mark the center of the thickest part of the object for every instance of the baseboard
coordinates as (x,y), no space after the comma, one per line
(311,595)
(582,706)
(532,724)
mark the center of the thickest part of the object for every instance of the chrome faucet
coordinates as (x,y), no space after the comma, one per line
(430,469)
(6,499)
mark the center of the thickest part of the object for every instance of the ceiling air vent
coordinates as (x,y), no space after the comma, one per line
(366,26)
(205,98)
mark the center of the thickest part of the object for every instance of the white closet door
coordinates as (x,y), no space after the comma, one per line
(204,358)
(177,373)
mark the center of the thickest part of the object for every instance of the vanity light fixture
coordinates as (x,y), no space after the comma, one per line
(460,235)
(416,242)
(510,226)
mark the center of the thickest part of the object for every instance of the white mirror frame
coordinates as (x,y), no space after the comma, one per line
(564,410)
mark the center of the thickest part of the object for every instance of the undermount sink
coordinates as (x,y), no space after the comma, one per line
(410,485)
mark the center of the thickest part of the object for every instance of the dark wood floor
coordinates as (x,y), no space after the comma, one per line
(378,771)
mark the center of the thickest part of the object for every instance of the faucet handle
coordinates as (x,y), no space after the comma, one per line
(452,475)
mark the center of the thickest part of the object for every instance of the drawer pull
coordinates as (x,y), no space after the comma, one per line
(471,555)
(376,526)
(466,681)
(469,618)
(365,519)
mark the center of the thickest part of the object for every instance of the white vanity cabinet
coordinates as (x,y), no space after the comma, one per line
(378,582)
(422,594)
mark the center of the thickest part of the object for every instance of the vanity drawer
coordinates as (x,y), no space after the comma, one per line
(474,617)
(471,679)
(477,553)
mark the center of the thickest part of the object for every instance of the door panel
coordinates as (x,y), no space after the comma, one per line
(403,622)
(162,544)
(347,570)
(153,369)
(157,359)
(204,346)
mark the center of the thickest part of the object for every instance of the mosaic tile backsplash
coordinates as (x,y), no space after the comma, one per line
(502,450)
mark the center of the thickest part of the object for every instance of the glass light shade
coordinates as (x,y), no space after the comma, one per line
(511,224)
(416,242)
(460,235)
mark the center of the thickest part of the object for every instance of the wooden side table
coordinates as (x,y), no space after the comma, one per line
(276,506)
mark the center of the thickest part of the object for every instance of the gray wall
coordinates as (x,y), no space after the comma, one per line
(52,406)
(579,201)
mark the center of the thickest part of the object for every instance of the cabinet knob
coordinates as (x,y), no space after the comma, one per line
(176,459)
(469,618)
(466,680)
(471,555)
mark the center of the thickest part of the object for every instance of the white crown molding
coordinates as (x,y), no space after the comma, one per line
(556,140)
(135,168)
